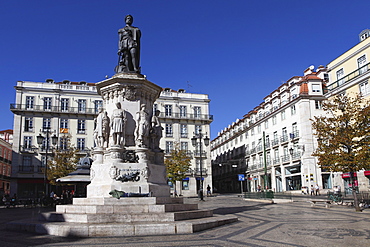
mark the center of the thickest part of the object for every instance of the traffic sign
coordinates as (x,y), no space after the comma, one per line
(241,177)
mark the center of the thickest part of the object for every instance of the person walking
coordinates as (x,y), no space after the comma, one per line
(317,189)
(312,190)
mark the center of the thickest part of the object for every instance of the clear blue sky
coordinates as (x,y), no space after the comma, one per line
(236,51)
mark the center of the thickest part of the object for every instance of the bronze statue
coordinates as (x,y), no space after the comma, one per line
(129,48)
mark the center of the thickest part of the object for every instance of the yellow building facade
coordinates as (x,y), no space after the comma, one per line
(349,74)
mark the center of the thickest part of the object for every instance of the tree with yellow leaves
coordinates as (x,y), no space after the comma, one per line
(177,165)
(343,135)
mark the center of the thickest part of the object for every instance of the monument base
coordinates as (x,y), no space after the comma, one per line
(92,217)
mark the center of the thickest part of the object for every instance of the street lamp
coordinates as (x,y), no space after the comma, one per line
(194,142)
(40,139)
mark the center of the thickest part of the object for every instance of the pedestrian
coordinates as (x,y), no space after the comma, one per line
(208,190)
(317,189)
(312,190)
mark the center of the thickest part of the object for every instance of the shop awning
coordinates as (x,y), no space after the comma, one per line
(367,173)
(348,175)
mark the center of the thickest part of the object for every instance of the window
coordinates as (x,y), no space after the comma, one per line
(361,64)
(155,107)
(29,102)
(283,115)
(46,123)
(284,132)
(340,75)
(364,88)
(169,132)
(318,104)
(184,130)
(267,124)
(197,112)
(98,104)
(28,125)
(294,133)
(169,147)
(26,164)
(81,105)
(273,120)
(252,131)
(183,111)
(81,144)
(316,88)
(64,104)
(184,146)
(198,129)
(47,103)
(63,143)
(64,124)
(168,110)
(27,142)
(293,110)
(81,126)
(185,184)
(259,129)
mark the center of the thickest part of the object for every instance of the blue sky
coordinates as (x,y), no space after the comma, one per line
(236,51)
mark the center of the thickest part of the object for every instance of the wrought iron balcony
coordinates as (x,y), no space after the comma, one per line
(204,117)
(52,109)
(197,171)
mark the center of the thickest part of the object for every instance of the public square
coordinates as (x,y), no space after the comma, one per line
(260,224)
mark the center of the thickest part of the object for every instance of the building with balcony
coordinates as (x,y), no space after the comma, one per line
(274,140)
(5,166)
(349,74)
(182,116)
(68,109)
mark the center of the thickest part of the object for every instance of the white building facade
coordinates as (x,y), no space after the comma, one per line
(67,109)
(273,141)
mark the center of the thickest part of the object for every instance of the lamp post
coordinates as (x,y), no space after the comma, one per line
(40,140)
(194,142)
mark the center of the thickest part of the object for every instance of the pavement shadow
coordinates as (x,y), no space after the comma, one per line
(234,210)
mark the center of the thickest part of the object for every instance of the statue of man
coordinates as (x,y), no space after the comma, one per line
(129,47)
(98,132)
(156,131)
(118,125)
(142,127)
(106,129)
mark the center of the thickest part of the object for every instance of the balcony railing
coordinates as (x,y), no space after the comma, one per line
(275,142)
(348,77)
(187,116)
(284,138)
(53,109)
(285,158)
(197,171)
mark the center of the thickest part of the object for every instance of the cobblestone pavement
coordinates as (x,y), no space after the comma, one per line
(288,224)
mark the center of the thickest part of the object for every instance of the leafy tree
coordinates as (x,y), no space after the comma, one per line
(343,135)
(177,164)
(63,162)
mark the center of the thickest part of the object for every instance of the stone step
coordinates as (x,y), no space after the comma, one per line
(128,201)
(119,229)
(113,209)
(124,217)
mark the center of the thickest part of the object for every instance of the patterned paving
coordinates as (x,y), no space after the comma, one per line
(293,224)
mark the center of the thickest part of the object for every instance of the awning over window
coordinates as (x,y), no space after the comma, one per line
(367,173)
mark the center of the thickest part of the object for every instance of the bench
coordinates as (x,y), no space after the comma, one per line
(326,202)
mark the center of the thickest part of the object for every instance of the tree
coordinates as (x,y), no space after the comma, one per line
(63,162)
(343,135)
(177,165)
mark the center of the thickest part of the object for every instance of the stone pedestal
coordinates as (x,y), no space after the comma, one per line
(132,166)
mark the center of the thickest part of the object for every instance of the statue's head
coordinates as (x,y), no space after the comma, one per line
(129,19)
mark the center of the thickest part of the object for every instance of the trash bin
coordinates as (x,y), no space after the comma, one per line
(269,194)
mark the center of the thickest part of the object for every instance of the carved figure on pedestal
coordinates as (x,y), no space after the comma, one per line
(118,125)
(106,129)
(156,131)
(142,127)
(129,47)
(98,132)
